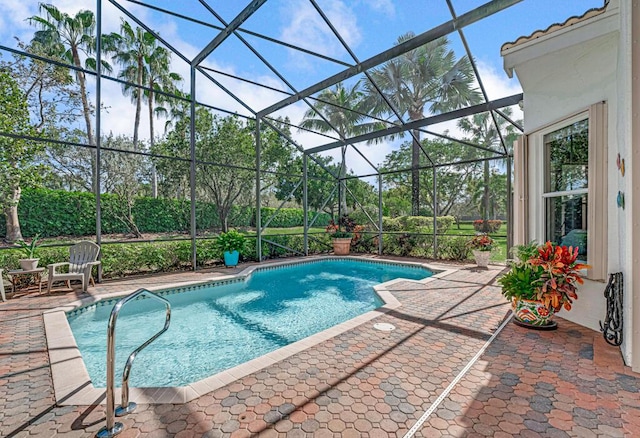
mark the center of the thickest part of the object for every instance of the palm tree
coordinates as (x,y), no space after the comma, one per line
(68,38)
(159,78)
(143,63)
(484,133)
(335,105)
(428,75)
(130,48)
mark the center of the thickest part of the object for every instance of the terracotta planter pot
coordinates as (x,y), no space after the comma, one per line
(342,246)
(482,257)
(531,312)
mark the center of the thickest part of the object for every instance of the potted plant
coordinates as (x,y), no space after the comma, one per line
(481,246)
(344,234)
(30,261)
(542,280)
(230,244)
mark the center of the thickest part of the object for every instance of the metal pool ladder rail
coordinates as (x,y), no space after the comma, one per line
(112,428)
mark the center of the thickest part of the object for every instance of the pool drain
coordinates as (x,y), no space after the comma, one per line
(384,326)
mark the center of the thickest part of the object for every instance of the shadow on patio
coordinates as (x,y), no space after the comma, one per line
(363,382)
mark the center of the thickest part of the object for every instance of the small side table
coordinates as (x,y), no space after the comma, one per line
(15,275)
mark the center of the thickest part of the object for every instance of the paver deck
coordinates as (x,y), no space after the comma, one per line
(362,382)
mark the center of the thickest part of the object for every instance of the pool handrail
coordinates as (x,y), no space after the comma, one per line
(112,427)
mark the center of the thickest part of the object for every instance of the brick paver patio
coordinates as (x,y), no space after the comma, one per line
(565,383)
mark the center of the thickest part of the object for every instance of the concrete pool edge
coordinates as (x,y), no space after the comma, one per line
(72,385)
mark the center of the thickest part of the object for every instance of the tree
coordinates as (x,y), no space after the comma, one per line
(50,92)
(144,63)
(342,107)
(319,183)
(130,48)
(226,155)
(159,78)
(123,174)
(54,106)
(428,75)
(228,142)
(452,181)
(16,155)
(66,38)
(484,133)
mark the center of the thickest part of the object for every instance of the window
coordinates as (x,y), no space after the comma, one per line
(566,153)
(561,184)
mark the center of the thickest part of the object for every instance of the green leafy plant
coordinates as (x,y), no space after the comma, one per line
(548,273)
(230,241)
(341,235)
(29,249)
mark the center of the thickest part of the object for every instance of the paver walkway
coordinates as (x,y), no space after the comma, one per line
(363,382)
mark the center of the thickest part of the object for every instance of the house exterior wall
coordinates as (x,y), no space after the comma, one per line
(562,75)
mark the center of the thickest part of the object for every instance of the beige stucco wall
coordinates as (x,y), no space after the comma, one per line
(562,74)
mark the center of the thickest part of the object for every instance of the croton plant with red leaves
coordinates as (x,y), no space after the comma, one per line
(560,274)
(549,273)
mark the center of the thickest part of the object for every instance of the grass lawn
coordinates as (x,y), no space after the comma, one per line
(500,237)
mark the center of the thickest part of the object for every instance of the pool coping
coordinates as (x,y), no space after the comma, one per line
(72,384)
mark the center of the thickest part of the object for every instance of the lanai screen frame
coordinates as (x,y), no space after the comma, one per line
(456,24)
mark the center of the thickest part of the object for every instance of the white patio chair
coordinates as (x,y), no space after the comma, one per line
(83,257)
(4,298)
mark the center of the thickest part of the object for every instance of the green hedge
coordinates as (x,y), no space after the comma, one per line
(54,213)
(420,224)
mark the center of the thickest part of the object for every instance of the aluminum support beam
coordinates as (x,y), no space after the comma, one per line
(509,209)
(192,167)
(223,35)
(439,118)
(258,190)
(380,230)
(98,129)
(435,214)
(151,31)
(470,17)
(284,201)
(348,191)
(245,31)
(478,78)
(326,201)
(305,202)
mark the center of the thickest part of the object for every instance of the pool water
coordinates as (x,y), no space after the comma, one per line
(218,327)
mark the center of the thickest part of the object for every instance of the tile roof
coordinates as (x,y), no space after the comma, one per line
(555,27)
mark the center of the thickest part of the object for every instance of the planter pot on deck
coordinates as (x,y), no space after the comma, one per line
(482,257)
(341,245)
(28,264)
(231,258)
(533,313)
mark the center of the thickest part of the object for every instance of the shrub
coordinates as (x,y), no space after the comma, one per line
(488,226)
(229,242)
(361,218)
(453,248)
(391,224)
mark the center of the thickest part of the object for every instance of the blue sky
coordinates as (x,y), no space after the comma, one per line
(368,26)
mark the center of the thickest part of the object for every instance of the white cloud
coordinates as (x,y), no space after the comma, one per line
(497,83)
(307,29)
(13,15)
(383,6)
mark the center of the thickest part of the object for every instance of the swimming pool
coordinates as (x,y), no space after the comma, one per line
(215,327)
